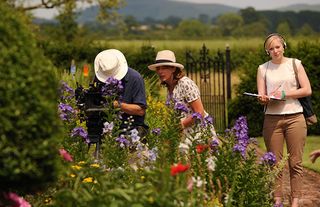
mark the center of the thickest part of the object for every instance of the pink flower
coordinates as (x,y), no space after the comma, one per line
(17,200)
(66,156)
(190,184)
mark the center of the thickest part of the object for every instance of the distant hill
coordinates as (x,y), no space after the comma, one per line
(161,9)
(301,7)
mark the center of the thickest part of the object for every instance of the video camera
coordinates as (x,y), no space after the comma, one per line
(91,105)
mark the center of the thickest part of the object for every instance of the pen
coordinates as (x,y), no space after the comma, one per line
(277,88)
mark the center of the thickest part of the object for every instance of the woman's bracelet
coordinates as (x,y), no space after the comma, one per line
(283,94)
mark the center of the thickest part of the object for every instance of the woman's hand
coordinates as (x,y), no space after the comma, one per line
(263,99)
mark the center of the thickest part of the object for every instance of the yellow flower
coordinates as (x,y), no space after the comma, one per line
(76,167)
(151,199)
(47,200)
(81,162)
(72,175)
(95,165)
(88,180)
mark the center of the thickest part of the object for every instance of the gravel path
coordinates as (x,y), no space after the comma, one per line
(311,187)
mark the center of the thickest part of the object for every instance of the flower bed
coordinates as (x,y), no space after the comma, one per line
(169,169)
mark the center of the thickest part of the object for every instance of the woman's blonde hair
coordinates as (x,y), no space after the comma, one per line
(270,38)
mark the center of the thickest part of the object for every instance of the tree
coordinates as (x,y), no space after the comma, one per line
(306,30)
(67,18)
(229,22)
(252,30)
(284,29)
(172,20)
(107,7)
(192,28)
(204,18)
(250,15)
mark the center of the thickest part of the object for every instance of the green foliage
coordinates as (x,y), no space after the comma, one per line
(129,177)
(192,28)
(29,126)
(229,22)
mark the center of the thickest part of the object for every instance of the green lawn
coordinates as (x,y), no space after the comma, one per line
(312,143)
(233,43)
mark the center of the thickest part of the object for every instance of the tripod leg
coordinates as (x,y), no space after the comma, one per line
(97,151)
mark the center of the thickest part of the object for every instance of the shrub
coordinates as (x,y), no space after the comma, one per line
(29,125)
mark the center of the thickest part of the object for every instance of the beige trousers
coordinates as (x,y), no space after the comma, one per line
(291,129)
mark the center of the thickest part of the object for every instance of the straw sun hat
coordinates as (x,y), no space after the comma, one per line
(165,57)
(110,63)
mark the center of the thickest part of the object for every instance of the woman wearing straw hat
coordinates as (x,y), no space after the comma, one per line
(181,89)
(112,63)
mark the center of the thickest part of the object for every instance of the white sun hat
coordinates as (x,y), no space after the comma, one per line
(165,57)
(110,63)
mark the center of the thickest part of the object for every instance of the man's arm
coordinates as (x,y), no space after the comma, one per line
(131,109)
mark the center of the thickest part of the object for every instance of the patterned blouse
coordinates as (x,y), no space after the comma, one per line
(186,91)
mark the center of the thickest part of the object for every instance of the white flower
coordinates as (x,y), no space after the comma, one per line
(183,148)
(211,163)
(198,181)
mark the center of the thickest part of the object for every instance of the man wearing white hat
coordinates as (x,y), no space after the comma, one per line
(112,63)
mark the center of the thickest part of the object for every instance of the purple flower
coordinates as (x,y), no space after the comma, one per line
(214,143)
(107,127)
(134,136)
(167,102)
(269,158)
(66,92)
(208,120)
(240,148)
(123,141)
(156,131)
(197,116)
(240,129)
(80,132)
(66,112)
(153,154)
(112,87)
(180,107)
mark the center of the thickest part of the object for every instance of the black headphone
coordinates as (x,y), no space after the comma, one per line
(284,44)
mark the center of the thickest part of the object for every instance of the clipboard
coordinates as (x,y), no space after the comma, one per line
(257,95)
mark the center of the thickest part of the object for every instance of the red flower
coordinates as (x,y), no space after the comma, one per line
(200,148)
(178,168)
(66,156)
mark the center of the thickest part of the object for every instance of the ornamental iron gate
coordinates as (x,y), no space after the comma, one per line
(212,75)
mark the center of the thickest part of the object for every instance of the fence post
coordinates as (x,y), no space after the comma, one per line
(228,70)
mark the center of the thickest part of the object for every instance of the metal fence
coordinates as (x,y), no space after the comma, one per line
(212,75)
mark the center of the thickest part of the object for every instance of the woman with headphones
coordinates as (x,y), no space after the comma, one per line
(284,120)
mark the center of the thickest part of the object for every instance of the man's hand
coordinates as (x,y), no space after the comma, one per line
(314,155)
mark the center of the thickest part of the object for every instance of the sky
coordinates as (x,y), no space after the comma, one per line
(257,4)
